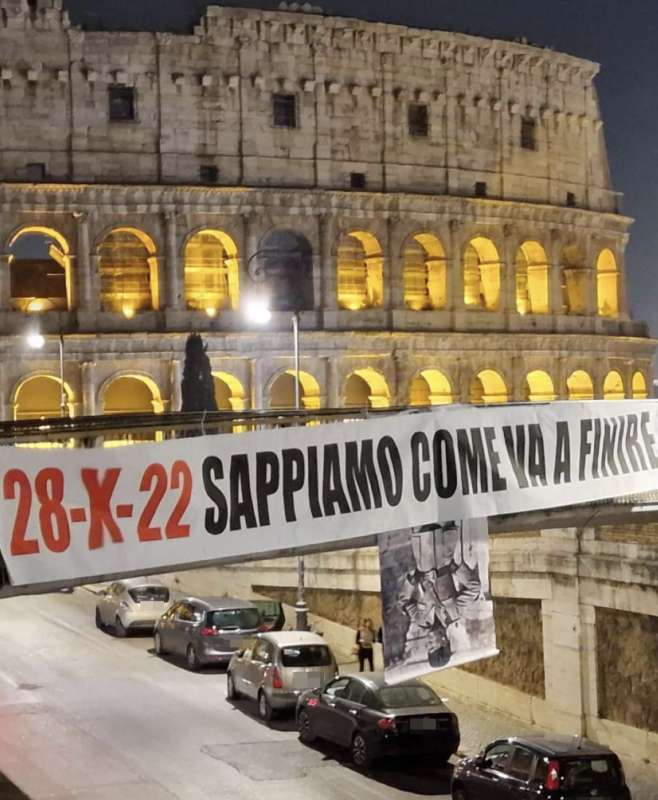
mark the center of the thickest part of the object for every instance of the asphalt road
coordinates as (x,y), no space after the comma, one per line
(85,716)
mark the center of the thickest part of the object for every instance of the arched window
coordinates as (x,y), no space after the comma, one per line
(40,270)
(487,388)
(430,388)
(539,387)
(424,273)
(40,397)
(580,386)
(128,272)
(132,394)
(639,386)
(229,392)
(574,280)
(482,274)
(287,261)
(211,272)
(607,284)
(613,386)
(360,271)
(532,294)
(282,391)
(366,388)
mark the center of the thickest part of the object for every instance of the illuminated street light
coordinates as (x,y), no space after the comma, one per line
(36,341)
(257,311)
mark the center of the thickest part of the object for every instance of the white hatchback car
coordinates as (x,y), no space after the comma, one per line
(133,604)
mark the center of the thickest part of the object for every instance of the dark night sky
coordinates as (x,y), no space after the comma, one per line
(622,35)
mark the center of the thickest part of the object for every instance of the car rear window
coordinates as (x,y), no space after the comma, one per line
(407,696)
(234,618)
(150,594)
(590,773)
(268,608)
(307,655)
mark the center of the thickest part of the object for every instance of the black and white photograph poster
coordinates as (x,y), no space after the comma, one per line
(436,597)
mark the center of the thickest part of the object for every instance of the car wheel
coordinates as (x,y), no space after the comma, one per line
(231,693)
(360,751)
(305,726)
(157,644)
(99,621)
(264,708)
(459,793)
(192,659)
(119,629)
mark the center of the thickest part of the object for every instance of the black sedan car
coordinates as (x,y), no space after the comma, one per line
(542,767)
(373,720)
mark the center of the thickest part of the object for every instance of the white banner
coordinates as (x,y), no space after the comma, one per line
(436,599)
(69,514)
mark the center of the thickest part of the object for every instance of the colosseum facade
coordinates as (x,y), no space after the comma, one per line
(439,205)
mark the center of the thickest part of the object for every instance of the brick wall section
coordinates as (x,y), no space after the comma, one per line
(346,608)
(627,659)
(519,639)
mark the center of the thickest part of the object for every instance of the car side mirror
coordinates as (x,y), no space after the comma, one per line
(485,763)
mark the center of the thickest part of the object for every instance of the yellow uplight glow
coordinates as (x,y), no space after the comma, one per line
(211,312)
(39,305)
(128,312)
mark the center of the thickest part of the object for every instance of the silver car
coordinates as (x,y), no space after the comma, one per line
(206,630)
(278,668)
(131,604)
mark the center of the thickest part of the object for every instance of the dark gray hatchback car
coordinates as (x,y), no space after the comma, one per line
(206,630)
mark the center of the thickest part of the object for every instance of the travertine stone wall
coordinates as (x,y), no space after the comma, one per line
(206,98)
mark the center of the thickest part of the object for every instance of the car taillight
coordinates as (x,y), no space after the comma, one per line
(552,776)
(264,628)
(208,631)
(386,724)
(275,678)
(312,702)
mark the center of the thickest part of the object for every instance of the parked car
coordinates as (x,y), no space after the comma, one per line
(206,630)
(133,604)
(361,712)
(541,767)
(278,668)
(271,612)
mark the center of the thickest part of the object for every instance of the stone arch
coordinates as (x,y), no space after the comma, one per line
(639,386)
(39,269)
(532,285)
(613,386)
(39,396)
(574,280)
(430,388)
(360,271)
(366,388)
(580,386)
(487,388)
(482,274)
(539,387)
(607,284)
(286,258)
(128,392)
(211,271)
(229,392)
(281,390)
(424,273)
(128,269)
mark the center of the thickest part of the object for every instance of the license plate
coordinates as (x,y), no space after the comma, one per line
(306,680)
(423,725)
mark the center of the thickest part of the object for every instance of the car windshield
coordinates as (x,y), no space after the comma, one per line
(307,655)
(407,696)
(149,594)
(586,773)
(234,618)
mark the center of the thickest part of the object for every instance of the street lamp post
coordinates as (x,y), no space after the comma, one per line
(37,341)
(260,313)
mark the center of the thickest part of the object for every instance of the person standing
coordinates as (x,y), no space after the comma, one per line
(365,640)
